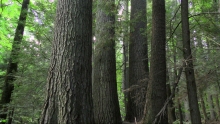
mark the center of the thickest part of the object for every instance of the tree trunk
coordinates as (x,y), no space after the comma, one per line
(125,32)
(219,6)
(13,61)
(156,93)
(217,106)
(106,104)
(138,61)
(180,111)
(211,107)
(170,107)
(187,110)
(69,94)
(189,71)
(203,107)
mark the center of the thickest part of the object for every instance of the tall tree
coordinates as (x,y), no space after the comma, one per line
(189,71)
(106,105)
(69,94)
(13,61)
(138,61)
(156,93)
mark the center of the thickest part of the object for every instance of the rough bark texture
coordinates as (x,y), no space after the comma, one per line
(138,61)
(106,105)
(69,94)
(189,71)
(13,61)
(156,93)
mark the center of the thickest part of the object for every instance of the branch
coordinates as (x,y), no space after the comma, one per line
(199,14)
(203,13)
(171,35)
(174,31)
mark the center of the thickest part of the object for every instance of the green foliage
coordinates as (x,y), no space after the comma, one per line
(29,87)
(119,65)
(3,120)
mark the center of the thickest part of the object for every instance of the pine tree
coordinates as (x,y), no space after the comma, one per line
(189,71)
(156,93)
(13,62)
(69,94)
(138,61)
(106,104)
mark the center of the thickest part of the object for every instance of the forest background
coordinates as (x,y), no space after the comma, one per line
(29,81)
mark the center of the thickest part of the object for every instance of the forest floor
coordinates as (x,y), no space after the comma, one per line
(208,122)
(212,122)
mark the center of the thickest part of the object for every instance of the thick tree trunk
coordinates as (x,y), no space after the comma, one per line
(13,61)
(138,61)
(69,94)
(156,93)
(106,104)
(189,71)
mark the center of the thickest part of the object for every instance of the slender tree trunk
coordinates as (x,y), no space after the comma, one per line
(217,79)
(211,107)
(180,111)
(124,4)
(219,6)
(13,61)
(203,107)
(187,111)
(217,106)
(106,104)
(69,94)
(171,112)
(170,107)
(138,61)
(125,75)
(189,71)
(156,93)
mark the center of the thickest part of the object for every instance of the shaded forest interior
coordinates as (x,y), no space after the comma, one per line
(109,62)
